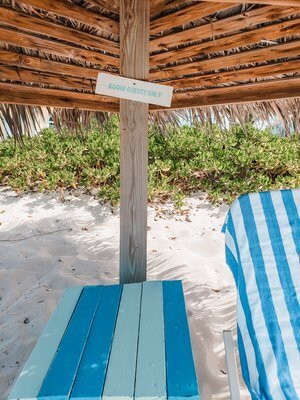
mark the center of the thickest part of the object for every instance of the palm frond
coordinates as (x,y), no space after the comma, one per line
(284,112)
(76,121)
(18,121)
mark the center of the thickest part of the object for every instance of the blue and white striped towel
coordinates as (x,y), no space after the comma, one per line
(263,251)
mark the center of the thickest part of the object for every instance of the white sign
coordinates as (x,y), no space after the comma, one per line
(132,89)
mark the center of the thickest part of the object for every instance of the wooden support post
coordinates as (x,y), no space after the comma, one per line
(134,63)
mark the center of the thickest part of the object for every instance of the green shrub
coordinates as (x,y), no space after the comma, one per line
(223,163)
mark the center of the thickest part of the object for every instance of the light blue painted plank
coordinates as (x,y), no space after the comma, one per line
(120,377)
(92,369)
(31,378)
(181,376)
(151,370)
(62,372)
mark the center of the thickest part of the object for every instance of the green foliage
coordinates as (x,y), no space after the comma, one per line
(223,163)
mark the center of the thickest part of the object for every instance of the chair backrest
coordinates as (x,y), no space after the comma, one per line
(263,251)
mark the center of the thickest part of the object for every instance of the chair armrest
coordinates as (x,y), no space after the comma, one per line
(230,346)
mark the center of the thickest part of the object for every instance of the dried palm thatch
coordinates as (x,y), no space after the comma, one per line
(285,112)
(76,121)
(19,120)
(228,61)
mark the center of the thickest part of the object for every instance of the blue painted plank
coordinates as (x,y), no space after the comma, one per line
(35,369)
(181,376)
(90,377)
(151,370)
(60,378)
(120,377)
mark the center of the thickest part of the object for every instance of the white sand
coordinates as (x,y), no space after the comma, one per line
(36,265)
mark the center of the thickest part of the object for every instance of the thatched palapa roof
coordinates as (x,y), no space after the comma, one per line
(214,53)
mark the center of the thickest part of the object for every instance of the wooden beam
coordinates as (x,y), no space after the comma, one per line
(165,5)
(24,75)
(19,94)
(247,93)
(36,25)
(270,32)
(185,16)
(41,64)
(134,60)
(69,10)
(282,3)
(28,41)
(107,5)
(157,4)
(238,75)
(284,50)
(221,27)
